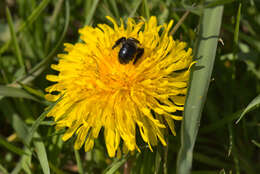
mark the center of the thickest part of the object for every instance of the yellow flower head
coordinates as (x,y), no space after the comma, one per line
(99,91)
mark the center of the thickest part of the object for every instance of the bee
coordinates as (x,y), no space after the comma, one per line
(129,50)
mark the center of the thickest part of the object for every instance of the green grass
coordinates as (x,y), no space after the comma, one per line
(225,87)
(209,30)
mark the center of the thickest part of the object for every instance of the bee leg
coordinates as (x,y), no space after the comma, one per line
(139,53)
(122,39)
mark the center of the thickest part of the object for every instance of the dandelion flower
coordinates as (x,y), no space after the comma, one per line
(100,92)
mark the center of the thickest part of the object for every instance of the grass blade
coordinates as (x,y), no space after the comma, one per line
(157,162)
(252,105)
(34,15)
(6,91)
(32,91)
(22,131)
(56,169)
(115,166)
(3,170)
(207,44)
(37,123)
(137,5)
(37,69)
(14,39)
(41,154)
(219,124)
(53,19)
(180,21)
(115,8)
(26,134)
(146,11)
(209,161)
(237,25)
(90,13)
(11,147)
(79,163)
(256,143)
(219,2)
